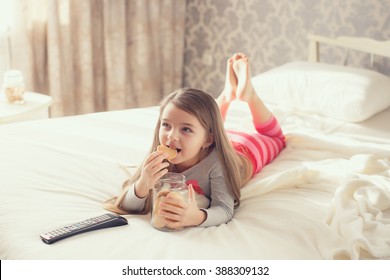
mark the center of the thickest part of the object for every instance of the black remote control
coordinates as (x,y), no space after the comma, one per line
(103,221)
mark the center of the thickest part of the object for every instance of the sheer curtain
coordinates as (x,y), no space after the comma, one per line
(98,55)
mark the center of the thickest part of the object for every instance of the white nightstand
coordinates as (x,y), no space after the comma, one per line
(36,106)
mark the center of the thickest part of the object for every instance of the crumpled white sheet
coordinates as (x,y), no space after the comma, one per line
(358,210)
(359,173)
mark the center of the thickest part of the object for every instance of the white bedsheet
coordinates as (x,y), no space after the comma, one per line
(327,196)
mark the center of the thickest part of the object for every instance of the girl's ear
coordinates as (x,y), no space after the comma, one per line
(209,141)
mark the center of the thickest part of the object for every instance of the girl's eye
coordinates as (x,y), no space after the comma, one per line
(164,125)
(187,129)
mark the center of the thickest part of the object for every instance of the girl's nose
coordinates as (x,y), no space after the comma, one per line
(173,135)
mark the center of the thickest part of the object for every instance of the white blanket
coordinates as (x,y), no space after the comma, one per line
(327,196)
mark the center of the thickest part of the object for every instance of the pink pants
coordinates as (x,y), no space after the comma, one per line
(261,146)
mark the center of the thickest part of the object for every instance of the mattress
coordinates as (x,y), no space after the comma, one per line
(326,196)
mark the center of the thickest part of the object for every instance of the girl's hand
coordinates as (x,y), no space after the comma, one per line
(152,169)
(178,213)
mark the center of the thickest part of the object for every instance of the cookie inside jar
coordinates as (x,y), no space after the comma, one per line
(172,184)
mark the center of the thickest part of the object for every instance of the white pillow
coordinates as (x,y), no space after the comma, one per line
(342,92)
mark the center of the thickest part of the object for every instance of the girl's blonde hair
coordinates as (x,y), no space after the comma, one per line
(237,170)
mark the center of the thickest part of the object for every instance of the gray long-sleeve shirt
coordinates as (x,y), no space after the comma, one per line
(209,176)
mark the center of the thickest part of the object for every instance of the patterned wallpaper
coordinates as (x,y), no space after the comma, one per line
(273,32)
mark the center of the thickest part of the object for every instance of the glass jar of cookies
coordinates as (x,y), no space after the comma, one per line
(13,86)
(173,184)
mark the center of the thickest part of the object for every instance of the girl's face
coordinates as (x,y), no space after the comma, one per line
(182,131)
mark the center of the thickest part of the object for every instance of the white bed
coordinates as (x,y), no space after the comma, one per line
(327,196)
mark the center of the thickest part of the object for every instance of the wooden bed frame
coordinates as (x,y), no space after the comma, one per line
(371,46)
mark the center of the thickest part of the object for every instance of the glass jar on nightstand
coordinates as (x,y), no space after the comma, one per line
(13,86)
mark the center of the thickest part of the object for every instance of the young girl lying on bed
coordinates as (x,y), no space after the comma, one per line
(216,162)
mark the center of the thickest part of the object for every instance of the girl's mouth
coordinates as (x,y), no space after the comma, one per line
(177,149)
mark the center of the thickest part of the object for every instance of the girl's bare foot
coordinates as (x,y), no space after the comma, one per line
(245,90)
(229,92)
(230,81)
